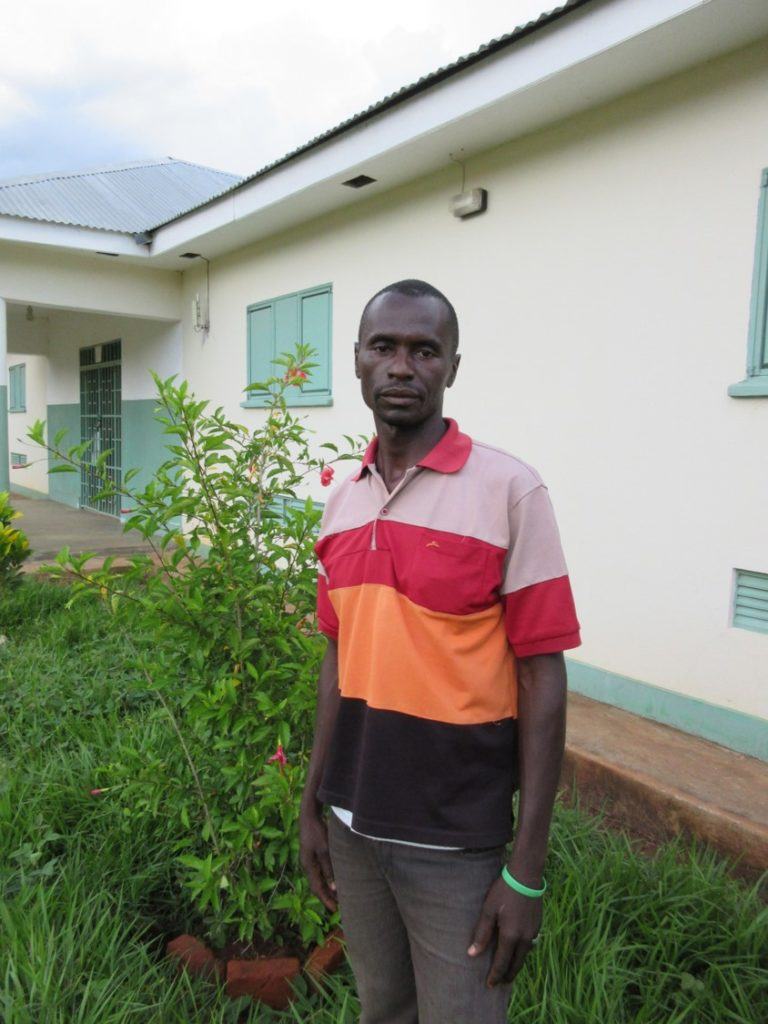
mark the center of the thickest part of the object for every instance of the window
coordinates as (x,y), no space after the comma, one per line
(18,390)
(275,326)
(750,601)
(18,460)
(755,383)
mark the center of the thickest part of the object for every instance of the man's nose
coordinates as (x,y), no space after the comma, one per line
(400,366)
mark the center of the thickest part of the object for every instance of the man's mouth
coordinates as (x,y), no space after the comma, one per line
(398,395)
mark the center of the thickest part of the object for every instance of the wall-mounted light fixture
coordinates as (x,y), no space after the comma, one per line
(201,320)
(469,202)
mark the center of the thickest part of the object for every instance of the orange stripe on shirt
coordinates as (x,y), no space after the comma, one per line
(400,656)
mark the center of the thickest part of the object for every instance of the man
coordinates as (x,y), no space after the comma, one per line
(445,598)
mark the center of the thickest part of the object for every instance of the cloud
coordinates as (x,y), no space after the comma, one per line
(233,85)
(13,105)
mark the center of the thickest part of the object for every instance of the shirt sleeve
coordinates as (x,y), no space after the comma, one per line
(327,619)
(539,611)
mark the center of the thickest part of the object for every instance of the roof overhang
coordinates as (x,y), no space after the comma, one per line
(70,237)
(593,54)
(588,56)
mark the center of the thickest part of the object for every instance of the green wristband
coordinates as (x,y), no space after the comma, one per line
(524,890)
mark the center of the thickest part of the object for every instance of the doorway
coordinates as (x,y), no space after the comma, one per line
(100,424)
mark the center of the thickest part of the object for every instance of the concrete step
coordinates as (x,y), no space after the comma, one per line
(660,782)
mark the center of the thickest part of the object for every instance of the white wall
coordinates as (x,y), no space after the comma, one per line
(102,284)
(603,301)
(146,345)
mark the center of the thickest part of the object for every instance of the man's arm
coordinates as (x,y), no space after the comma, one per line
(315,858)
(541,733)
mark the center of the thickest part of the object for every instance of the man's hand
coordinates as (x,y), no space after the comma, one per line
(315,858)
(313,834)
(516,920)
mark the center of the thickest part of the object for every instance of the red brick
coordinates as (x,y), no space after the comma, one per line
(268,979)
(328,957)
(194,956)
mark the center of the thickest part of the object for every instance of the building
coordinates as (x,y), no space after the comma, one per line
(612,300)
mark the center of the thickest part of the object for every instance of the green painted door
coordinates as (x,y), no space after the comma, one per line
(100,423)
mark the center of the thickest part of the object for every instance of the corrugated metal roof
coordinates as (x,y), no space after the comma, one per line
(405,93)
(125,197)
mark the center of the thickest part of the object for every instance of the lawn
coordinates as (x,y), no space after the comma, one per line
(87,897)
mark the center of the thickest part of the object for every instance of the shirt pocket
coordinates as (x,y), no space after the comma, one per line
(448,575)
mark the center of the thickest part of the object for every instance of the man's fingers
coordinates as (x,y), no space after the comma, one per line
(482,935)
(522,949)
(505,948)
(319,887)
(326,867)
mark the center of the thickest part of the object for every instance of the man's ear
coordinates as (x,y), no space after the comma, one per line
(454,370)
(357,353)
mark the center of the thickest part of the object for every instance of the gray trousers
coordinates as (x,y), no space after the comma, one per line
(408,915)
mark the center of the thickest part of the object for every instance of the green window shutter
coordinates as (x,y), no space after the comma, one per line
(316,331)
(286,324)
(261,343)
(276,326)
(756,382)
(750,602)
(18,388)
(758,325)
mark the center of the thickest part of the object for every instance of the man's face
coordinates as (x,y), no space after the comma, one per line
(404,358)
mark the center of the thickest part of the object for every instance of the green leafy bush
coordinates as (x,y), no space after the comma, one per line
(14,546)
(219,618)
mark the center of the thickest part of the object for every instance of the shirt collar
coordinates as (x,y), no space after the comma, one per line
(448,456)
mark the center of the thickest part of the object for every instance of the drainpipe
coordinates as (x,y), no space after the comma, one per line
(5,459)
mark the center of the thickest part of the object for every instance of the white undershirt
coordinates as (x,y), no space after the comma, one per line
(346,817)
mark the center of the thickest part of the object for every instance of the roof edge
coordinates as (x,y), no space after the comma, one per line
(129,165)
(392,100)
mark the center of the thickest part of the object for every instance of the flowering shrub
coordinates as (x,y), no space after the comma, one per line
(224,609)
(14,546)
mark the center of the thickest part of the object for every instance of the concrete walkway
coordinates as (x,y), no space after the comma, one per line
(661,782)
(51,526)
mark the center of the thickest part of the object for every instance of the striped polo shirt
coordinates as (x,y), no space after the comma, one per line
(432,591)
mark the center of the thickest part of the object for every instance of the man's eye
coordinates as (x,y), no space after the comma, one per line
(425,353)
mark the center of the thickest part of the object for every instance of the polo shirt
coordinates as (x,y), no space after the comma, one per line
(432,592)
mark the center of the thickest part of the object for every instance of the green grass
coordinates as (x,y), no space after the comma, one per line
(85,898)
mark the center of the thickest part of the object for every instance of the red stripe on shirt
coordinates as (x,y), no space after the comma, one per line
(541,619)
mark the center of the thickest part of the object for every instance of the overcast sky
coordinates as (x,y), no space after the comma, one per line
(229,84)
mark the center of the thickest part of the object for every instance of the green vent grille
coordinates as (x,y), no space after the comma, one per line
(750,604)
(17,459)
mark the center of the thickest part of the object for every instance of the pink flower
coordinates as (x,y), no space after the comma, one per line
(279,756)
(96,792)
(326,476)
(295,376)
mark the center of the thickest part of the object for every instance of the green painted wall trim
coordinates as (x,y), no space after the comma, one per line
(64,487)
(28,492)
(5,463)
(144,443)
(745,733)
(261,402)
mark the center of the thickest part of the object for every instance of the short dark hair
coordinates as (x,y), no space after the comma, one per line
(416,289)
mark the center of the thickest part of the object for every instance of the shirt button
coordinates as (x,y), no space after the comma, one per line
(385,511)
